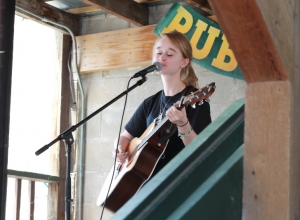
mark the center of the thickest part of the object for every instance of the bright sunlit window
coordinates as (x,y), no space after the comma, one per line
(35,96)
(34,112)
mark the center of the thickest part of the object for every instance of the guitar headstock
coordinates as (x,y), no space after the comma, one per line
(200,95)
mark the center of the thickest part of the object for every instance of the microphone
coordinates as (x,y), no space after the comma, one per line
(155,66)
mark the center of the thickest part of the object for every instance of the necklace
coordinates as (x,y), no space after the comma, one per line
(161,112)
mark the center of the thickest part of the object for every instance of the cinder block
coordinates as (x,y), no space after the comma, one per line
(91,187)
(103,23)
(93,126)
(99,156)
(110,125)
(92,212)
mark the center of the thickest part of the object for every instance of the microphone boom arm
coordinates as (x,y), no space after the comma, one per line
(74,127)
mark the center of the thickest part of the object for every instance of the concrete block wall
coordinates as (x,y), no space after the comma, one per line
(101,87)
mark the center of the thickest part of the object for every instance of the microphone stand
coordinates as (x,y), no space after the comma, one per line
(67,137)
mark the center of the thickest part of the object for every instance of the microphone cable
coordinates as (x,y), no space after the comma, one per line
(115,159)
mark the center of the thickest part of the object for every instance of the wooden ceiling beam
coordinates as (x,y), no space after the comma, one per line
(82,10)
(128,10)
(28,9)
(202,4)
(250,40)
(148,1)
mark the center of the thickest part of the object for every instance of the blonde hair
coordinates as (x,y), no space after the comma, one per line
(179,40)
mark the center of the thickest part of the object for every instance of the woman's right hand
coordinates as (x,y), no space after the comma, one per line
(121,155)
(120,149)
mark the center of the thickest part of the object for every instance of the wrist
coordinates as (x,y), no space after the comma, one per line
(182,125)
(185,134)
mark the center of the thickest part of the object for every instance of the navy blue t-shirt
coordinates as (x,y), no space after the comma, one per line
(150,108)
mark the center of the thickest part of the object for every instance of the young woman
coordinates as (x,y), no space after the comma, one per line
(174,52)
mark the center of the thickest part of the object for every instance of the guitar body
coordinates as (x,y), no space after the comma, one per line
(143,154)
(133,174)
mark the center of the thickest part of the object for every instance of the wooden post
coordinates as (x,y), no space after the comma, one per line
(265,40)
(267,152)
(64,125)
(31,192)
(18,189)
(7,12)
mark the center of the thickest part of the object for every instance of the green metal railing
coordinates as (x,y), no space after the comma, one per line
(204,181)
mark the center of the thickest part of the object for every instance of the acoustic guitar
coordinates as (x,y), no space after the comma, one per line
(125,180)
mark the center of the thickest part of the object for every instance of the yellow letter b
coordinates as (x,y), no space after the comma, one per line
(224,51)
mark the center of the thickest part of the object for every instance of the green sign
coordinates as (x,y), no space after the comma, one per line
(210,47)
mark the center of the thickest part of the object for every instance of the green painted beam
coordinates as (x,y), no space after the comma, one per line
(180,180)
(220,196)
(32,176)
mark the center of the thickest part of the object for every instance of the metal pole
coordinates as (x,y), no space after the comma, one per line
(7,18)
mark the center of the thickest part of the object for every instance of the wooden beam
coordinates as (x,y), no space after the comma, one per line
(7,19)
(28,9)
(32,176)
(64,124)
(82,10)
(52,201)
(250,40)
(18,190)
(203,4)
(265,40)
(295,171)
(128,10)
(148,1)
(279,18)
(31,192)
(267,158)
(115,49)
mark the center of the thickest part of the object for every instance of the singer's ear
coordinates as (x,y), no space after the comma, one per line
(184,62)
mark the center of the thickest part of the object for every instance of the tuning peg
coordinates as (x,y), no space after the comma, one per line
(193,105)
(201,102)
(208,99)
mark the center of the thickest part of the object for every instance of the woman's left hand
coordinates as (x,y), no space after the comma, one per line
(176,116)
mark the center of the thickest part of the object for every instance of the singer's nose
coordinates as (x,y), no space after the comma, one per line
(162,57)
